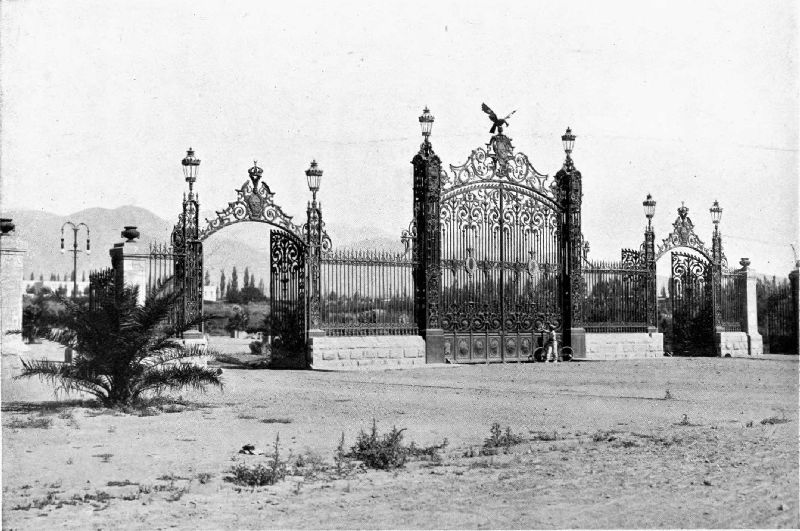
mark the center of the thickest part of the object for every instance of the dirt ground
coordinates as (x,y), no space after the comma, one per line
(653,443)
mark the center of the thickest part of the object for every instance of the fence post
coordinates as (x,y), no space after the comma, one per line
(570,186)
(755,343)
(428,250)
(129,265)
(716,285)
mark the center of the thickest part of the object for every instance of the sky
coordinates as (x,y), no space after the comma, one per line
(689,101)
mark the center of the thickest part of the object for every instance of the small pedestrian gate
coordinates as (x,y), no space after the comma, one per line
(501,256)
(287,317)
(692,332)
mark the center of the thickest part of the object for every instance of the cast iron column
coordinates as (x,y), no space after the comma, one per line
(650,266)
(716,280)
(428,250)
(314,243)
(570,187)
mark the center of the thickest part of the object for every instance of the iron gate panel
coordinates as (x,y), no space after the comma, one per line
(287,321)
(501,257)
(692,331)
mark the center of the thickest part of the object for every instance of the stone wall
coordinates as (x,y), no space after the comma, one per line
(738,345)
(619,346)
(12,254)
(367,352)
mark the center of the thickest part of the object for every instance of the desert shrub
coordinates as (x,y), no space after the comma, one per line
(124,350)
(382,452)
(31,422)
(774,420)
(343,463)
(259,475)
(498,438)
(387,451)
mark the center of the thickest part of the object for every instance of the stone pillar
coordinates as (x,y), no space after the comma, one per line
(428,250)
(755,344)
(129,264)
(12,259)
(570,186)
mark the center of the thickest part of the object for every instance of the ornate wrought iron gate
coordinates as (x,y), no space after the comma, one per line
(691,290)
(287,321)
(502,259)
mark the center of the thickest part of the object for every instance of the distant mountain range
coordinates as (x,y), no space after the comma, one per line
(240,247)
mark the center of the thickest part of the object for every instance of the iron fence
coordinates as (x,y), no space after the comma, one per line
(615,297)
(160,269)
(366,292)
(732,300)
(777,316)
(100,286)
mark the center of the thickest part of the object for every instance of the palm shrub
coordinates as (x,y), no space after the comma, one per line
(123,350)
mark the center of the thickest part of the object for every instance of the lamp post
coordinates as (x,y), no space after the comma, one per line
(75,228)
(568,139)
(314,241)
(189,250)
(191,165)
(427,243)
(426,123)
(716,215)
(649,205)
(314,176)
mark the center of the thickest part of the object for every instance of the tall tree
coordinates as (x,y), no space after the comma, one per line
(31,275)
(261,286)
(41,277)
(207,278)
(246,277)
(233,287)
(252,280)
(221,284)
(83,276)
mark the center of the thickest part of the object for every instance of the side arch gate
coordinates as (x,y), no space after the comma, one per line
(502,260)
(289,248)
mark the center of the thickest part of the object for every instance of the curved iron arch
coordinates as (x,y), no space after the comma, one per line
(499,164)
(683,235)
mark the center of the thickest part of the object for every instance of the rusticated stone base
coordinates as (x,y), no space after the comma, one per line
(618,346)
(367,352)
(739,345)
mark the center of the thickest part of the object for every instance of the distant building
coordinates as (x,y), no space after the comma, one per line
(210,293)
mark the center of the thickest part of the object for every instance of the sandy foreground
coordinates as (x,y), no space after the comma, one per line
(653,443)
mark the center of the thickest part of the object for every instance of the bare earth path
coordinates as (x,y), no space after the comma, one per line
(623,455)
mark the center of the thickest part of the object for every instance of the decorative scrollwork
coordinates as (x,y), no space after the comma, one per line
(498,163)
(409,235)
(253,203)
(683,235)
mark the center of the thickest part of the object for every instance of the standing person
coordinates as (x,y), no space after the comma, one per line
(551,346)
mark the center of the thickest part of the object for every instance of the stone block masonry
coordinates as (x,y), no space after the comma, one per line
(367,352)
(739,345)
(618,346)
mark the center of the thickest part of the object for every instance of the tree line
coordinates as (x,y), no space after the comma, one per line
(231,291)
(67,277)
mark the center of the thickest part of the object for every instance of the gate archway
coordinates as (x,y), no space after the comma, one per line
(288,252)
(502,257)
(689,315)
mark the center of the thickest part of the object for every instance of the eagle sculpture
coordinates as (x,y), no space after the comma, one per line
(497,123)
